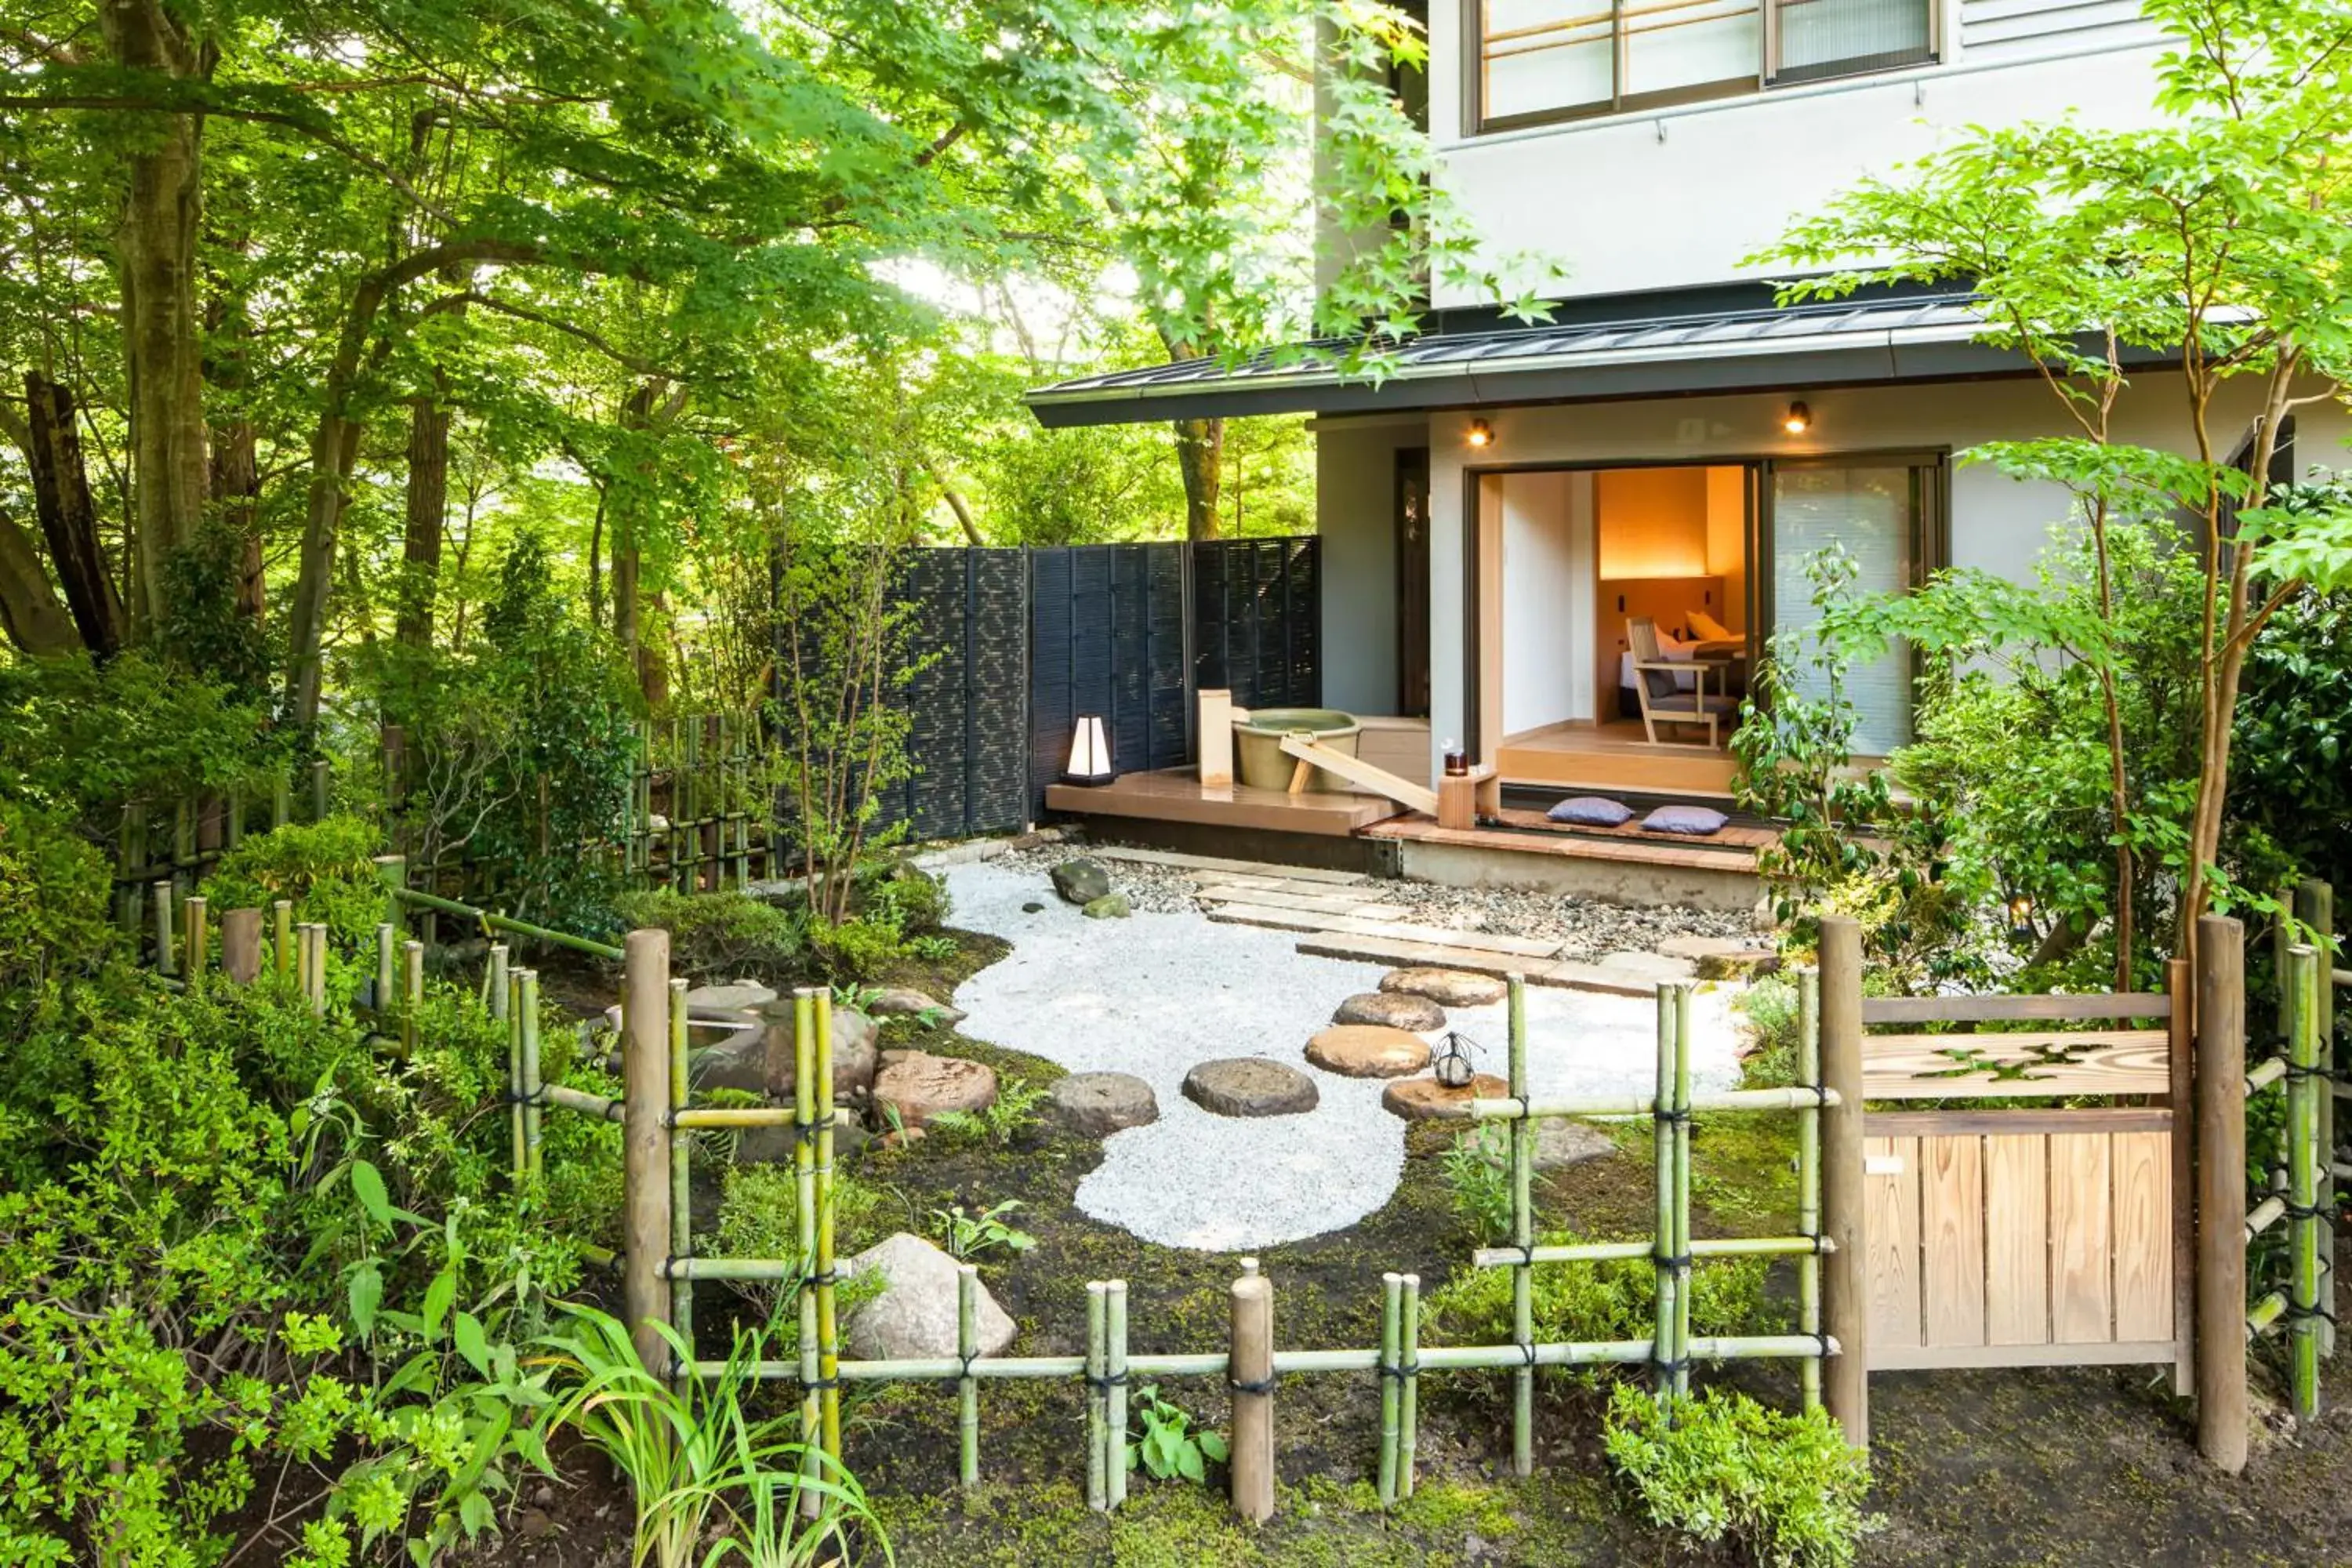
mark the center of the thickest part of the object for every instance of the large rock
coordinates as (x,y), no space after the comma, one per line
(904,1001)
(1368,1050)
(1080,881)
(1562,1140)
(758,1059)
(917,1086)
(1390,1010)
(741,996)
(1250,1086)
(1426,1100)
(1447,987)
(914,1318)
(1098,1104)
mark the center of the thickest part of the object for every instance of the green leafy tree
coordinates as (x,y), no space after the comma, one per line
(2219,236)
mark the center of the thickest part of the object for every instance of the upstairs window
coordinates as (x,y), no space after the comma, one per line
(1541,60)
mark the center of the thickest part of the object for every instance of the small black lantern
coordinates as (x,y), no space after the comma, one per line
(1454,1063)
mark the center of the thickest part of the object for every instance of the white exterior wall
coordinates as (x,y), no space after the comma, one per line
(1548,586)
(1677,196)
(1355,507)
(1996,524)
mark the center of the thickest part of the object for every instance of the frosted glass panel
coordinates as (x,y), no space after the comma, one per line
(1545,56)
(1826,37)
(1869,511)
(1693,43)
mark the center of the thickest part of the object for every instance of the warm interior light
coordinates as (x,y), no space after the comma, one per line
(1089,753)
(1481,433)
(1800,419)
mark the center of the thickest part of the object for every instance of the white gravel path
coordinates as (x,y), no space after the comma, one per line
(1155,993)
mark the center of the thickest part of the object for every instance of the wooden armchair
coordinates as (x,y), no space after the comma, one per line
(1663,701)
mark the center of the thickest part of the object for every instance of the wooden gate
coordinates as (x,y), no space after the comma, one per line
(2028,1237)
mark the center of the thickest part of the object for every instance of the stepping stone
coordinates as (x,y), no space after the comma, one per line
(1250,1086)
(742,996)
(1447,987)
(1652,967)
(1391,1010)
(903,1001)
(918,1085)
(1098,1104)
(1426,1100)
(1368,1050)
(1722,957)
(1080,881)
(1562,1140)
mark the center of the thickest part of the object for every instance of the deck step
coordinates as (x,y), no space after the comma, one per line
(1519,947)
(1183,862)
(1567,974)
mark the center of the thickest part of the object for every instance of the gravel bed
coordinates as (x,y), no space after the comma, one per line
(1155,993)
(1584,927)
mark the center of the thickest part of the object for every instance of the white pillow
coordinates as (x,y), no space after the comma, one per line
(1710,629)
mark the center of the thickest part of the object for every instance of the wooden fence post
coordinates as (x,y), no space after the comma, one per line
(1251,1370)
(2222,1192)
(241,945)
(645,1133)
(1846,1282)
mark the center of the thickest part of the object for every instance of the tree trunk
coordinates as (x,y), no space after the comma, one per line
(236,472)
(428,507)
(31,617)
(1200,455)
(156,256)
(69,517)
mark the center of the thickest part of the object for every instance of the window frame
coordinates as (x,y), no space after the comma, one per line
(1769,72)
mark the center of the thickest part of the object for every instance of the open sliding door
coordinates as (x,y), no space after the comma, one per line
(1886,512)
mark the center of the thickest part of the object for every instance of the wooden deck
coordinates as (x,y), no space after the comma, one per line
(1177,794)
(1613,756)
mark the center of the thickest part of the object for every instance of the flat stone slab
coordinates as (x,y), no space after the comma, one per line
(1250,1086)
(1391,1010)
(1446,987)
(742,996)
(1426,1100)
(918,1085)
(1368,1050)
(1649,966)
(1098,1104)
(1722,957)
(903,1001)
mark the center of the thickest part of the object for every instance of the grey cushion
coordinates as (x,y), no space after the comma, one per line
(1694,820)
(1591,811)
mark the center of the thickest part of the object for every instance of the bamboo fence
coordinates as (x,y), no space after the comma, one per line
(660,1270)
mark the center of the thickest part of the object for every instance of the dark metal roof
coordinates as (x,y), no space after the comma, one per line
(1883,340)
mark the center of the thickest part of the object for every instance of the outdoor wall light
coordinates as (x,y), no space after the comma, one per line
(1481,433)
(1798,419)
(1090,754)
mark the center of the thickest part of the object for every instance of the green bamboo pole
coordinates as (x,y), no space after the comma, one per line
(199,942)
(494,981)
(490,919)
(2301,980)
(1391,1336)
(1523,1234)
(1662,1241)
(1682,1000)
(2315,903)
(386,942)
(282,801)
(2266,1312)
(1808,1177)
(681,1156)
(1639,1105)
(526,1003)
(805,1186)
(1097,1461)
(281,936)
(1408,1382)
(516,1091)
(828,1324)
(314,971)
(166,960)
(1115,1393)
(735,1118)
(1287,1364)
(1622,1251)
(411,993)
(967,1385)
(322,780)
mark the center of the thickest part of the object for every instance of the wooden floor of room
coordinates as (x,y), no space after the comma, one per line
(1616,755)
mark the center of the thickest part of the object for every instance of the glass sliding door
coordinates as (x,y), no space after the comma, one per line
(1884,513)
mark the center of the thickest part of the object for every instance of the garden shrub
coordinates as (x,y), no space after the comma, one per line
(1589,1302)
(718,935)
(1769,1006)
(327,869)
(1787,1490)
(859,948)
(759,1216)
(900,894)
(53,891)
